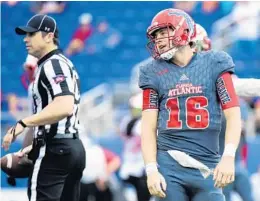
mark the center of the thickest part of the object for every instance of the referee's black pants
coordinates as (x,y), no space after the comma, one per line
(57,171)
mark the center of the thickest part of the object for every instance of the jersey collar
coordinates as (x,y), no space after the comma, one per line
(48,55)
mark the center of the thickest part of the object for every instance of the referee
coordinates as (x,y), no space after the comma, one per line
(57,151)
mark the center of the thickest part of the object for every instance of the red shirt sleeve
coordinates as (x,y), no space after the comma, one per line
(109,155)
(82,34)
(150,99)
(226,91)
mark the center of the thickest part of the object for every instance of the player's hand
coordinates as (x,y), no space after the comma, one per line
(156,184)
(11,135)
(224,173)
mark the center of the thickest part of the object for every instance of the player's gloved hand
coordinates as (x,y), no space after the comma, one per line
(224,173)
(155,182)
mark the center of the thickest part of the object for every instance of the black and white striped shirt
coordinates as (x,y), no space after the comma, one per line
(56,76)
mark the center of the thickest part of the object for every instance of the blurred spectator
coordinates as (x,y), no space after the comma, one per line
(9,107)
(130,131)
(81,35)
(13,105)
(100,165)
(231,28)
(202,7)
(11,3)
(7,118)
(47,7)
(104,37)
(209,6)
(29,67)
(187,6)
(255,182)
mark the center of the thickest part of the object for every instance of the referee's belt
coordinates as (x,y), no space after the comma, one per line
(66,136)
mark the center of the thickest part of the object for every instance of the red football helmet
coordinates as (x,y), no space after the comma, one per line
(182,26)
(201,40)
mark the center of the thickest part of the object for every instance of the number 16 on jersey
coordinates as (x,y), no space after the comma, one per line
(196,113)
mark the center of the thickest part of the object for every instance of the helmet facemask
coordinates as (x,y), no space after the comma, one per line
(174,42)
(180,28)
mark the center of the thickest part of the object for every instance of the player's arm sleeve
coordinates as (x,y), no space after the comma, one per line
(57,77)
(147,82)
(150,99)
(226,91)
(247,87)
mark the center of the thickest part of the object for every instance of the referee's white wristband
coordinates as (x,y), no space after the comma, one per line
(230,150)
(150,168)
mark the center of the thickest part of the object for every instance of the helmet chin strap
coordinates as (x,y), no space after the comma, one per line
(169,54)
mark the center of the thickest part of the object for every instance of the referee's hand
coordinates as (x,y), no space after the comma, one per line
(11,135)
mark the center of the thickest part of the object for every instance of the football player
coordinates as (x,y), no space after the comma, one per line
(183,94)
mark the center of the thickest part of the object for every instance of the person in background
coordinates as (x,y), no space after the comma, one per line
(105,37)
(48,7)
(81,35)
(29,67)
(130,131)
(101,163)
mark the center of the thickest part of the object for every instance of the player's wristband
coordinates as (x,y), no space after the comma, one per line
(150,168)
(22,123)
(230,150)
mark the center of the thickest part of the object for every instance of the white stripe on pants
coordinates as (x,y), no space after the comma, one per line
(36,170)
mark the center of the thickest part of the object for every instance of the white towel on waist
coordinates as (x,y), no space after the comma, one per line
(187,161)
